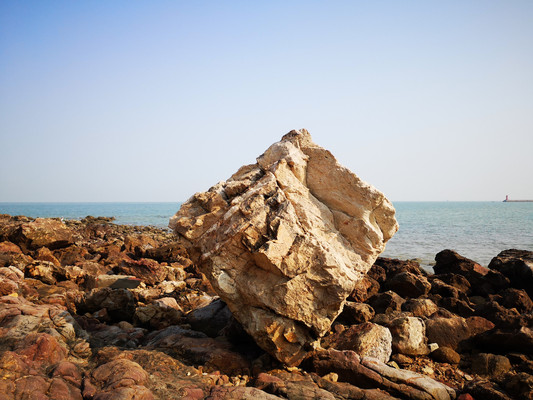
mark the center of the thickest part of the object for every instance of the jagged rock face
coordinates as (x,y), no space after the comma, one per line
(285,241)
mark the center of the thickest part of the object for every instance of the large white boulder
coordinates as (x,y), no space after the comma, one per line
(284,241)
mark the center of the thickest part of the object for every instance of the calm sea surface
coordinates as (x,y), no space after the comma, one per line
(477,230)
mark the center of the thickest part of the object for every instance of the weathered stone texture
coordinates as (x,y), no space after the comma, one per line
(285,241)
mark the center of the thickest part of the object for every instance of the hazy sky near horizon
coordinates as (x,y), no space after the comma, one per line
(156,100)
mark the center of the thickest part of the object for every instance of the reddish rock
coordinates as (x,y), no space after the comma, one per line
(72,255)
(518,340)
(478,325)
(502,317)
(386,302)
(444,290)
(44,254)
(43,232)
(139,244)
(41,349)
(9,248)
(170,253)
(460,307)
(485,390)
(149,271)
(446,355)
(365,289)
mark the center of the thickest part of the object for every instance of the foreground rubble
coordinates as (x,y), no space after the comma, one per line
(94,310)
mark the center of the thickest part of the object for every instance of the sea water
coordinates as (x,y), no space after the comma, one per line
(477,230)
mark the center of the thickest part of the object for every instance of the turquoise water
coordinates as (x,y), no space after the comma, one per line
(477,230)
(156,214)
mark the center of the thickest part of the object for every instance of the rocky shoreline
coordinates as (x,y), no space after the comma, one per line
(94,310)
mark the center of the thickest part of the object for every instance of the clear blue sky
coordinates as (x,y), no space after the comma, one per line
(156,100)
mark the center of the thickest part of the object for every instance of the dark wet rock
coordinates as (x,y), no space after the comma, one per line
(520,386)
(517,266)
(420,307)
(506,340)
(483,281)
(486,390)
(365,289)
(392,267)
(210,319)
(446,355)
(119,303)
(355,313)
(386,302)
(490,365)
(407,284)
(499,315)
(445,290)
(457,281)
(460,307)
(516,298)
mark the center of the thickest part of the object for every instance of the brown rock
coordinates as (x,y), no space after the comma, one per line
(446,355)
(490,365)
(356,313)
(517,266)
(407,284)
(392,267)
(43,232)
(365,289)
(420,307)
(483,281)
(517,298)
(447,332)
(44,254)
(149,271)
(386,302)
(365,339)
